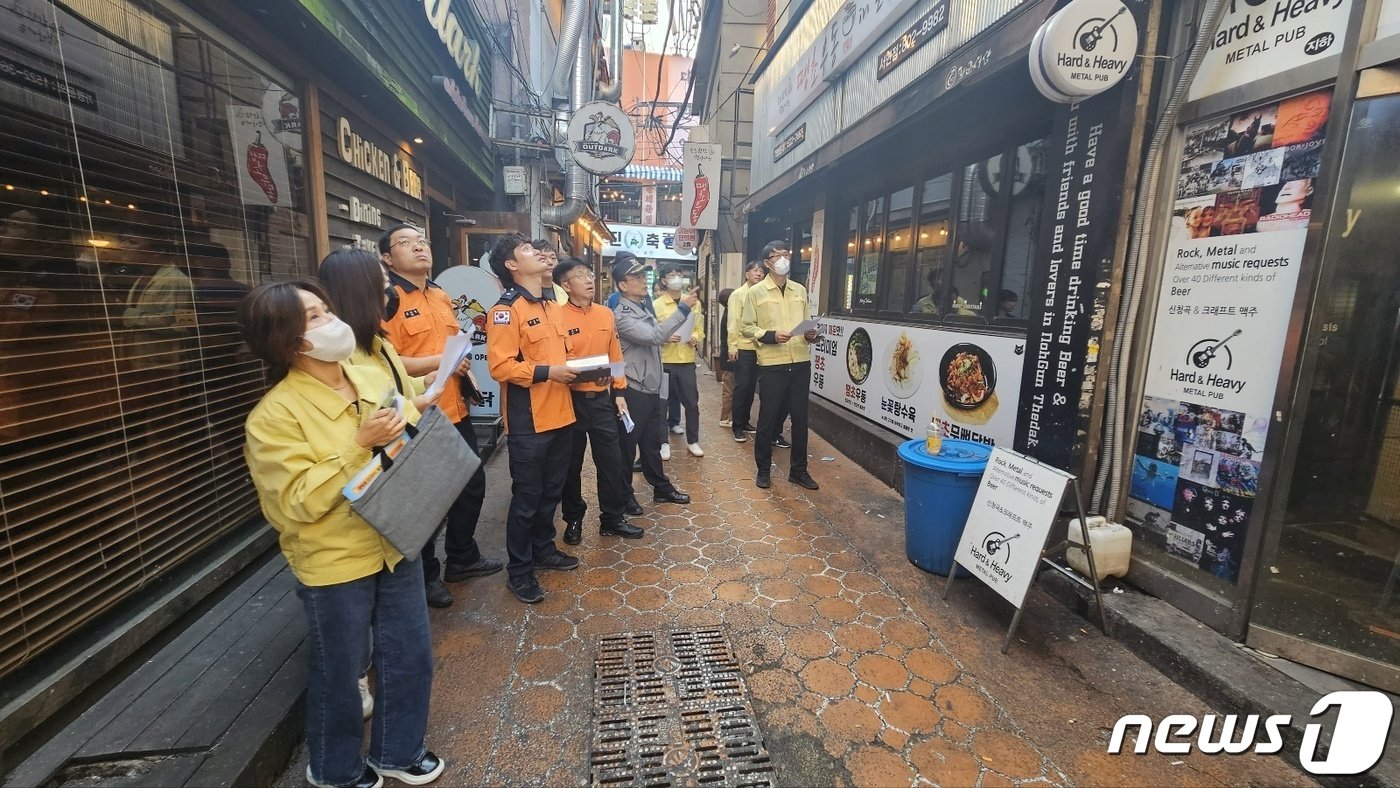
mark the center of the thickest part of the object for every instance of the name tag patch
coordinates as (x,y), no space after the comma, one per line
(573,331)
(501,318)
(534,321)
(411,313)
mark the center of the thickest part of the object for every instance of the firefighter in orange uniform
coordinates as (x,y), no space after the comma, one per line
(527,350)
(598,402)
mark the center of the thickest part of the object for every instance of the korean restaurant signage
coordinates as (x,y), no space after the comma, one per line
(601,138)
(900,377)
(391,168)
(850,32)
(1244,195)
(1083,197)
(797,137)
(924,30)
(1084,49)
(464,50)
(700,180)
(646,242)
(1259,38)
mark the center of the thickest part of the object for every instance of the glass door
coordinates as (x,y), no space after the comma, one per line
(1329,590)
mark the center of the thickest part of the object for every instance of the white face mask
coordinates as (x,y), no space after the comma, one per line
(673,283)
(781,266)
(333,342)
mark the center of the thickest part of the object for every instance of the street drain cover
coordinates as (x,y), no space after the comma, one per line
(672,710)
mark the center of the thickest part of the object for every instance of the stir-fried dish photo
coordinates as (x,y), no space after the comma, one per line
(967,383)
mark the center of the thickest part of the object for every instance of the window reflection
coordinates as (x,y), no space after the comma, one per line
(976,238)
(1027,184)
(848,271)
(935,204)
(872,244)
(901,224)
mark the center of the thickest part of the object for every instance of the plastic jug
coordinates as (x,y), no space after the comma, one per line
(1113,548)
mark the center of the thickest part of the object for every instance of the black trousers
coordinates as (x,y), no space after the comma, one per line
(538,464)
(460,544)
(783,389)
(745,384)
(645,438)
(597,424)
(685,393)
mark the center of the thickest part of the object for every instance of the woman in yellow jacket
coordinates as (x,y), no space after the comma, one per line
(307,437)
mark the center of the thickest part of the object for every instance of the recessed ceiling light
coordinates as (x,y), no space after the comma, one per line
(418,140)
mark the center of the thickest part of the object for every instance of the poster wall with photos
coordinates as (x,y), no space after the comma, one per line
(1243,201)
(900,377)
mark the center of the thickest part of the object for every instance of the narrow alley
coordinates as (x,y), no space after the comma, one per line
(859,672)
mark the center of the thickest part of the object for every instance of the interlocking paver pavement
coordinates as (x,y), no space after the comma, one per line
(860,674)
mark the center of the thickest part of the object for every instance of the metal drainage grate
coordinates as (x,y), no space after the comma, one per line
(672,710)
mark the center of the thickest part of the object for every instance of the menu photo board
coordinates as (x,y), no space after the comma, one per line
(1240,219)
(901,377)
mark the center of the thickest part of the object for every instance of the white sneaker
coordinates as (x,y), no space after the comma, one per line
(366,699)
(665,451)
(726,423)
(679,429)
(695,450)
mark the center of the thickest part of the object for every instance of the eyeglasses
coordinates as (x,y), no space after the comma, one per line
(589,276)
(411,242)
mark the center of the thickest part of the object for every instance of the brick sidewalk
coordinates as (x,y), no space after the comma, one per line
(854,681)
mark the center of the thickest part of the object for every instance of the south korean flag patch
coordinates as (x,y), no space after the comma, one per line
(501,317)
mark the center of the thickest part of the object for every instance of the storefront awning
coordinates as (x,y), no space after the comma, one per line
(648,172)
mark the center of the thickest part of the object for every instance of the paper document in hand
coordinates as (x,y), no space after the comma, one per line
(591,369)
(803,327)
(687,328)
(627,423)
(457,350)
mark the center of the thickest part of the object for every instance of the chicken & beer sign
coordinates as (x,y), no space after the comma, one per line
(601,138)
(1083,50)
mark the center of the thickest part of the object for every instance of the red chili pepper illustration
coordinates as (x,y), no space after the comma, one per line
(702,196)
(258,169)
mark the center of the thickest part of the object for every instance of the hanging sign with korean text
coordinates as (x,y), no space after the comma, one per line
(700,203)
(850,32)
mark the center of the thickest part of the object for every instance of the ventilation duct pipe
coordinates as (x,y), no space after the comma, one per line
(613,90)
(1108,482)
(576,17)
(576,194)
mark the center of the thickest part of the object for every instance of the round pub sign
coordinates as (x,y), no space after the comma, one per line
(601,138)
(1083,50)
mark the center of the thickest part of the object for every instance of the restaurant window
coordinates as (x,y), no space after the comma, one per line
(1027,184)
(620,202)
(852,254)
(872,240)
(668,205)
(152,176)
(958,247)
(935,205)
(898,251)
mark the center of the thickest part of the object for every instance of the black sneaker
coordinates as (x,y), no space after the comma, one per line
(456,573)
(428,768)
(634,509)
(674,496)
(369,778)
(560,561)
(740,437)
(526,589)
(804,479)
(438,595)
(764,481)
(781,442)
(573,532)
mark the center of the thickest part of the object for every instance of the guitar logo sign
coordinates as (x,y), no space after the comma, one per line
(1083,50)
(1204,352)
(996,547)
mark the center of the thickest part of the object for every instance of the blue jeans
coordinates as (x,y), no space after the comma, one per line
(391,607)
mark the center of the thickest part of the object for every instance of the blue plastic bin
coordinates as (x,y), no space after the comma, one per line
(938,494)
